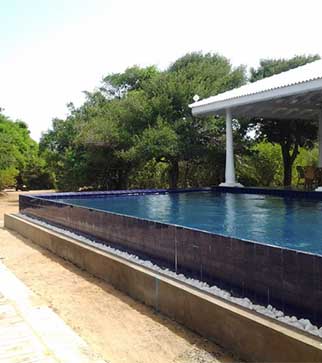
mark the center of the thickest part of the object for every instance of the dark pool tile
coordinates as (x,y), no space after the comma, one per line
(93,218)
(168,233)
(187,236)
(250,248)
(276,256)
(131,223)
(262,293)
(188,261)
(262,253)
(126,230)
(318,304)
(311,305)
(290,270)
(222,248)
(238,251)
(239,276)
(276,297)
(273,278)
(210,266)
(179,233)
(218,268)
(158,225)
(318,272)
(206,241)
(114,222)
(306,283)
(290,259)
(141,233)
(262,260)
(167,241)
(152,236)
(189,252)
(113,230)
(215,246)
(194,238)
(224,274)
(136,236)
(290,283)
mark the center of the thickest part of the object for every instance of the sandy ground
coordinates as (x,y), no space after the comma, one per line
(114,325)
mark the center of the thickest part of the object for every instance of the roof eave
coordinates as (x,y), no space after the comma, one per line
(202,108)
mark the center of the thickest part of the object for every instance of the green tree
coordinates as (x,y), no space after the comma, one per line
(141,118)
(262,166)
(8,155)
(20,163)
(269,67)
(170,93)
(64,157)
(118,84)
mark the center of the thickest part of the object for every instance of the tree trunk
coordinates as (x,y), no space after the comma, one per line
(288,160)
(287,180)
(186,171)
(122,180)
(174,174)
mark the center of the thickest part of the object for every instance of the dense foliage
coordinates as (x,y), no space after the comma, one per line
(20,163)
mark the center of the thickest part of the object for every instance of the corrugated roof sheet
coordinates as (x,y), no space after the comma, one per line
(308,72)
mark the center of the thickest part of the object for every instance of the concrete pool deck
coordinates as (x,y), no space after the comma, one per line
(32,332)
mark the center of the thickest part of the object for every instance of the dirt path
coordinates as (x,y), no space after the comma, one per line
(114,325)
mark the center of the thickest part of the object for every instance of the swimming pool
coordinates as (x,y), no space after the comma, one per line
(261,243)
(275,220)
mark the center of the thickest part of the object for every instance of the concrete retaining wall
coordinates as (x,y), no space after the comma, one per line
(245,333)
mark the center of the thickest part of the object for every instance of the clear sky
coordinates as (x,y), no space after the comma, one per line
(52,50)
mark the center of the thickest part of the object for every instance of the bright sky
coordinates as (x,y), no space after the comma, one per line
(52,50)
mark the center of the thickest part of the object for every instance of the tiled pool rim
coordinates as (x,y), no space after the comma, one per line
(287,279)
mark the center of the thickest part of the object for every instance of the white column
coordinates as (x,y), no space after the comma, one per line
(230,178)
(319,188)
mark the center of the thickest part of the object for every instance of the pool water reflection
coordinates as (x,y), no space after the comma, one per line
(275,220)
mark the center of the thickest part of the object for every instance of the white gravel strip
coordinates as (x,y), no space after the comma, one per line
(269,310)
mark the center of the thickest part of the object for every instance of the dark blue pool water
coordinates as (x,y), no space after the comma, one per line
(292,223)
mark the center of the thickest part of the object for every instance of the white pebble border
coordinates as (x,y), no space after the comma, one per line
(303,324)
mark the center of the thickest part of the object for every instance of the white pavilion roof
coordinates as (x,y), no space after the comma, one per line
(294,93)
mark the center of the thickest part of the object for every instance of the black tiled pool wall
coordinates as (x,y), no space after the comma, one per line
(288,280)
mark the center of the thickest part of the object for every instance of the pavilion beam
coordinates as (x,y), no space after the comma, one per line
(230,177)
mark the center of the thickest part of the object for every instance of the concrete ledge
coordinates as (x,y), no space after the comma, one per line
(247,334)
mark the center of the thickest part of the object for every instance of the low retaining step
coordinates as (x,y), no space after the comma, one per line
(248,334)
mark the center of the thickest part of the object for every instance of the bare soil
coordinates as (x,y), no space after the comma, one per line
(115,326)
